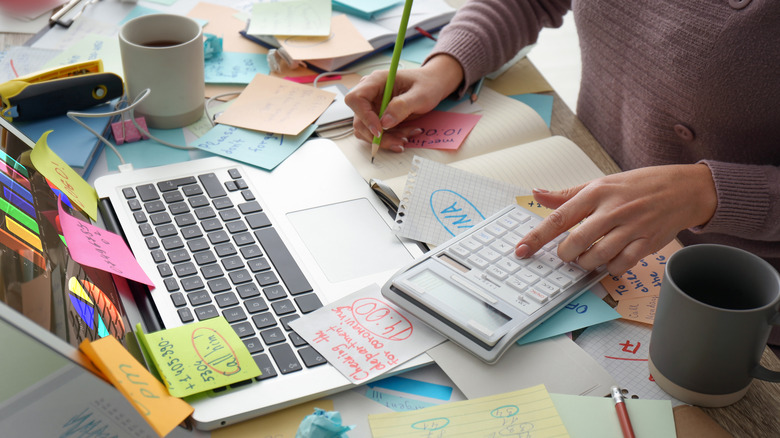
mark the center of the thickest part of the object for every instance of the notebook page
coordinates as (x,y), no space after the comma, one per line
(552,163)
(506,122)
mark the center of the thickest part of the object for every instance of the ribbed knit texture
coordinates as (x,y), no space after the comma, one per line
(664,82)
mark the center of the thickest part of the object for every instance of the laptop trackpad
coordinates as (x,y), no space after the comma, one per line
(349,239)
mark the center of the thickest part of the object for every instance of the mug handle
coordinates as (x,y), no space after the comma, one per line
(759,372)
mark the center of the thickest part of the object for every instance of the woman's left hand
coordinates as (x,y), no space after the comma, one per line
(626,215)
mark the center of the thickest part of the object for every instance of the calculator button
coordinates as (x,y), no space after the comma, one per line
(496,272)
(551,260)
(527,277)
(573,271)
(502,247)
(537,296)
(459,251)
(495,229)
(508,265)
(483,237)
(520,216)
(539,269)
(471,244)
(507,222)
(547,288)
(516,284)
(478,261)
(559,280)
(489,255)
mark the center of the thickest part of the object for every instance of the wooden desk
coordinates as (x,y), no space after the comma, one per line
(758,414)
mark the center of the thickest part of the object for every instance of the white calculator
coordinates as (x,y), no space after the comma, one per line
(475,291)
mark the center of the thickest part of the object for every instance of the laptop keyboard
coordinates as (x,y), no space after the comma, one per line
(220,257)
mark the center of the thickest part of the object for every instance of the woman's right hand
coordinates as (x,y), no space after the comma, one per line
(416,92)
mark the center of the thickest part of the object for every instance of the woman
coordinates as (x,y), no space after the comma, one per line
(682,95)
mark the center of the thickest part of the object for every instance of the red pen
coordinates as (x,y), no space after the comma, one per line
(622,413)
(424,33)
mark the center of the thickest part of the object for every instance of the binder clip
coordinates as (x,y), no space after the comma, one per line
(125,131)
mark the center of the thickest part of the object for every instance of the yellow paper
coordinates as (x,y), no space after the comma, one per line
(63,177)
(644,279)
(528,412)
(529,203)
(149,397)
(638,309)
(280,424)
(344,40)
(270,104)
(198,357)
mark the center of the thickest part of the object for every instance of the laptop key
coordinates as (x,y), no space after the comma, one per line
(147,192)
(247,290)
(234,314)
(283,307)
(286,320)
(284,262)
(212,185)
(311,358)
(272,336)
(128,192)
(253,345)
(192,190)
(308,303)
(297,340)
(243,329)
(206,312)
(185,315)
(274,292)
(226,299)
(266,368)
(264,320)
(256,305)
(199,297)
(285,358)
(178,299)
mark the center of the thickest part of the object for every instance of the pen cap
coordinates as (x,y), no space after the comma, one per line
(164,53)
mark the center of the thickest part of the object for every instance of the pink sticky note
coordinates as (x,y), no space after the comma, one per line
(441,130)
(100,249)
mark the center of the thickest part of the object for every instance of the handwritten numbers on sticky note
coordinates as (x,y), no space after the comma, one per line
(441,130)
(199,356)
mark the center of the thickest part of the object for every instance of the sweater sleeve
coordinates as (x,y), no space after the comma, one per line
(748,201)
(485,34)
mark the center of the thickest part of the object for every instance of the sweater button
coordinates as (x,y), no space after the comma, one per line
(684,132)
(739,4)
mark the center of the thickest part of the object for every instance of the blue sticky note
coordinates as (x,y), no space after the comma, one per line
(584,311)
(261,149)
(363,8)
(396,403)
(541,103)
(415,50)
(149,153)
(412,386)
(235,68)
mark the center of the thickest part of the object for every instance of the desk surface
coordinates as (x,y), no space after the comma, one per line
(754,415)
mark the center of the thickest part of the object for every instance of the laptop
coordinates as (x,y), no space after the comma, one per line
(218,238)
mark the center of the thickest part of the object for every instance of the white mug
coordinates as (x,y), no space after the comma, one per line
(164,53)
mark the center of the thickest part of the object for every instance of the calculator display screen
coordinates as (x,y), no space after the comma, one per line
(466,306)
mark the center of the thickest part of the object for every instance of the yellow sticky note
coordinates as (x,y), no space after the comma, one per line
(528,412)
(640,309)
(529,203)
(149,397)
(63,177)
(197,357)
(279,424)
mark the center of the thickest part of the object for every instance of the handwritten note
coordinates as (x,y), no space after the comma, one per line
(644,279)
(296,17)
(441,130)
(92,246)
(515,413)
(235,68)
(270,104)
(638,309)
(64,177)
(279,424)
(584,311)
(262,149)
(199,356)
(147,395)
(344,40)
(363,335)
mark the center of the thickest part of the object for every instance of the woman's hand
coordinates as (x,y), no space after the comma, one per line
(627,215)
(416,92)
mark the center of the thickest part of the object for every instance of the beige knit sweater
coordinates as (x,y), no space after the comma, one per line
(663,82)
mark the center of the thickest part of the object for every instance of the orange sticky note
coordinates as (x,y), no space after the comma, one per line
(149,397)
(644,279)
(638,309)
(63,177)
(529,203)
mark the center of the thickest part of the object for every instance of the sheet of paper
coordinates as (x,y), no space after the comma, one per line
(63,177)
(95,247)
(223,22)
(235,67)
(150,153)
(270,104)
(362,8)
(363,335)
(440,201)
(506,414)
(279,424)
(200,356)
(23,60)
(344,40)
(595,417)
(294,17)
(622,348)
(541,103)
(585,311)
(149,397)
(91,47)
(644,279)
(261,149)
(557,362)
(441,130)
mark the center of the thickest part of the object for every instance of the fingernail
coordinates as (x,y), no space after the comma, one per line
(375,131)
(522,250)
(541,191)
(397,148)
(415,131)
(388,121)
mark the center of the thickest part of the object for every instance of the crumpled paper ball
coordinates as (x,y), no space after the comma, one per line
(322,424)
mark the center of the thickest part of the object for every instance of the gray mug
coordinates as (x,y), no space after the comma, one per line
(715,312)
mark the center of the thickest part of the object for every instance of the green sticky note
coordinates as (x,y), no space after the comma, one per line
(198,357)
